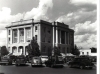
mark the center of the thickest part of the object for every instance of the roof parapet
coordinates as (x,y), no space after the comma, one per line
(23,22)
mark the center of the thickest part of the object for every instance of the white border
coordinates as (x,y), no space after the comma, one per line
(98,36)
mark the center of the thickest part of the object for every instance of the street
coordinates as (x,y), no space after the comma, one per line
(12,69)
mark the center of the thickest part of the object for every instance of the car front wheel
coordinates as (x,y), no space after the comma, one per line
(91,68)
(81,67)
(70,66)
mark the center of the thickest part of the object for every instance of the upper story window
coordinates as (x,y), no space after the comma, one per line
(82,53)
(49,30)
(9,32)
(28,34)
(21,34)
(35,28)
(9,40)
(49,39)
(87,53)
(14,35)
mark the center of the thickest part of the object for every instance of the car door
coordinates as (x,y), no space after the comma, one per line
(76,62)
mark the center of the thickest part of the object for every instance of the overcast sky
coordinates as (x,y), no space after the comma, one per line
(80,15)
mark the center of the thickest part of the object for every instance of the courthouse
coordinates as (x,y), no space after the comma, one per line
(47,35)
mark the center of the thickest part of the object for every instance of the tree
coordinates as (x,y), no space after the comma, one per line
(75,51)
(56,51)
(93,50)
(4,51)
(49,51)
(33,48)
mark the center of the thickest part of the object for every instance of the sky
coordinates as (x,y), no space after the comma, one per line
(80,15)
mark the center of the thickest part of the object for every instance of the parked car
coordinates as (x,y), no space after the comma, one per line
(44,58)
(36,61)
(81,62)
(6,60)
(55,61)
(20,60)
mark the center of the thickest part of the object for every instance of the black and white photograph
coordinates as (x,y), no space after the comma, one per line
(48,37)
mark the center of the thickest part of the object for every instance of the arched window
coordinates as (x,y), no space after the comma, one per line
(20,49)
(14,49)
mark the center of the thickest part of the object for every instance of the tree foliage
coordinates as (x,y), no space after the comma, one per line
(4,51)
(56,51)
(75,51)
(49,51)
(33,48)
(93,50)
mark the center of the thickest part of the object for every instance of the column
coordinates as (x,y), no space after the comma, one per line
(7,38)
(24,35)
(31,32)
(60,36)
(11,36)
(53,36)
(24,50)
(17,49)
(65,38)
(18,35)
(56,36)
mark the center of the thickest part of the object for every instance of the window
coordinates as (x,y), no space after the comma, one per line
(9,41)
(28,34)
(9,32)
(14,49)
(20,49)
(82,53)
(36,37)
(35,28)
(14,35)
(87,53)
(49,31)
(21,34)
(49,39)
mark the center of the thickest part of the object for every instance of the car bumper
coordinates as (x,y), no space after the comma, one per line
(88,66)
(36,64)
(58,64)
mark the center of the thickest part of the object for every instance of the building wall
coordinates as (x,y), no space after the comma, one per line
(46,37)
(87,52)
(15,46)
(47,34)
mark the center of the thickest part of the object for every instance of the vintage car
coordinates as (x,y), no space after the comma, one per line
(6,60)
(44,58)
(81,62)
(55,61)
(36,61)
(20,60)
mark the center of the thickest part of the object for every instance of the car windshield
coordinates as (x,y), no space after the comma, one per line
(60,58)
(85,59)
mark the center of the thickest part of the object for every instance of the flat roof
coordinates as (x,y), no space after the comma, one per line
(32,21)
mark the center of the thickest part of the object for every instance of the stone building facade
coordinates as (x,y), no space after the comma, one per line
(47,34)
